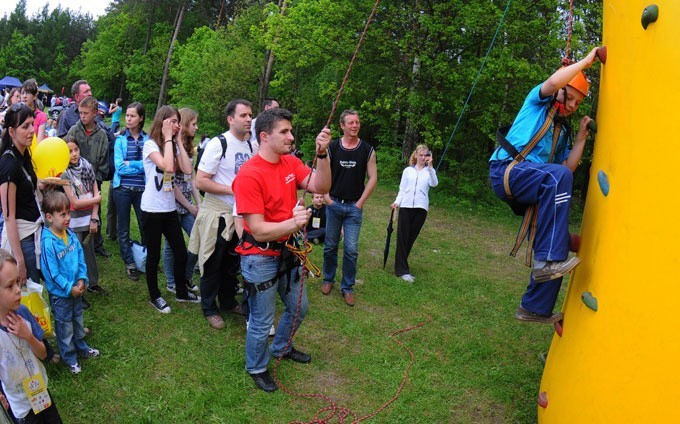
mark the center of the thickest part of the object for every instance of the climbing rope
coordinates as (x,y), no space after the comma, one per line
(474,84)
(570,23)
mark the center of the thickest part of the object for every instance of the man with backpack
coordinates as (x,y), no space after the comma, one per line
(213,237)
(532,171)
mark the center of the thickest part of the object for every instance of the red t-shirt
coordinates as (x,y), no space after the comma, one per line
(268,189)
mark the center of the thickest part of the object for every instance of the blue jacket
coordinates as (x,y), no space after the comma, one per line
(62,266)
(135,167)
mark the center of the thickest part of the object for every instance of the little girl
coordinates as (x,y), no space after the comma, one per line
(22,346)
(83,193)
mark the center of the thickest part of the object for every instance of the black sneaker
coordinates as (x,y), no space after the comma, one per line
(98,290)
(297,356)
(192,287)
(103,253)
(264,381)
(132,274)
(189,298)
(161,305)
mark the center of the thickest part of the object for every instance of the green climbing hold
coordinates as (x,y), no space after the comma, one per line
(603,181)
(589,300)
(649,15)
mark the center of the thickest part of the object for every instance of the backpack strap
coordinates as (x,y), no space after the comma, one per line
(223,141)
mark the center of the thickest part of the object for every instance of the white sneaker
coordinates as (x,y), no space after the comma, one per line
(75,368)
(408,278)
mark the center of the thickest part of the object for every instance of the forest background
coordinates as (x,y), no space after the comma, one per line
(410,81)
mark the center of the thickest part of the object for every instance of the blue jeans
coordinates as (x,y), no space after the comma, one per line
(258,269)
(28,249)
(186,220)
(125,199)
(68,319)
(348,217)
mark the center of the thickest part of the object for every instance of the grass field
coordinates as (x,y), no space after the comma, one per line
(473,362)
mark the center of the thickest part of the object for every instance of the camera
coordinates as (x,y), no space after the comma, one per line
(298,153)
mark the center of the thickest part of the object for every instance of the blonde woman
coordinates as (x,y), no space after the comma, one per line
(413,202)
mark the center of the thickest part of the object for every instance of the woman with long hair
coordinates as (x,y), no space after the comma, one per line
(163,155)
(413,202)
(18,192)
(29,95)
(128,181)
(187,201)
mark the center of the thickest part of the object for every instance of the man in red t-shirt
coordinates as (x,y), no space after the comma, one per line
(266,196)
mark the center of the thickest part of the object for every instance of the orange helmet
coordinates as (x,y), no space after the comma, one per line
(580,83)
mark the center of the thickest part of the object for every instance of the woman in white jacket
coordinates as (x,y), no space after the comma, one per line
(413,202)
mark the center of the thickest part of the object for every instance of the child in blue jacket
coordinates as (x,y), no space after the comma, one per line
(63,265)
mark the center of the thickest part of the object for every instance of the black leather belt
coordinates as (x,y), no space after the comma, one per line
(335,199)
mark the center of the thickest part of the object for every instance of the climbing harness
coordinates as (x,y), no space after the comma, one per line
(529,212)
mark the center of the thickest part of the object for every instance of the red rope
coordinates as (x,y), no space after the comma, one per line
(326,414)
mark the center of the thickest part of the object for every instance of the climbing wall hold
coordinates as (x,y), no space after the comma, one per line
(559,327)
(603,181)
(649,15)
(589,300)
(543,400)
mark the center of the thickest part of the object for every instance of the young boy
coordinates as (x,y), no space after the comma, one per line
(23,376)
(94,146)
(316,226)
(63,264)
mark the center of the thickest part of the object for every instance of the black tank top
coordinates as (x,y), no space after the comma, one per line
(348,169)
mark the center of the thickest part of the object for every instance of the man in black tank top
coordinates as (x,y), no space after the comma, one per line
(354,177)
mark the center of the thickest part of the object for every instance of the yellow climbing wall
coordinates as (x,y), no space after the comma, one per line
(621,363)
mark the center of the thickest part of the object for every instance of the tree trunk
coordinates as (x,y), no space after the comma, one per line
(164,79)
(263,92)
(411,134)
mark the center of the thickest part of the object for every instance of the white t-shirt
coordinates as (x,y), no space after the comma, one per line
(224,169)
(158,195)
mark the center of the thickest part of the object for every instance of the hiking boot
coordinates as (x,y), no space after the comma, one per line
(264,381)
(132,274)
(553,270)
(349,298)
(161,305)
(527,316)
(215,321)
(188,298)
(297,356)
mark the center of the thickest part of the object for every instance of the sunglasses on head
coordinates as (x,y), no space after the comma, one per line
(16,107)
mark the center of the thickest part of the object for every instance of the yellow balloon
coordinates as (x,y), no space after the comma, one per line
(50,157)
